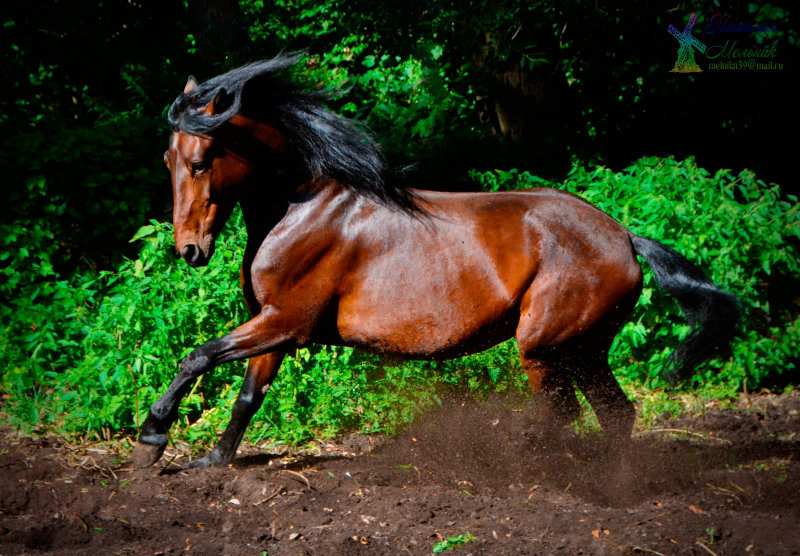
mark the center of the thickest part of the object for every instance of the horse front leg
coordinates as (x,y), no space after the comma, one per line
(153,434)
(265,333)
(261,371)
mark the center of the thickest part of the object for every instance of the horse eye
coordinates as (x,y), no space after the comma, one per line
(198,167)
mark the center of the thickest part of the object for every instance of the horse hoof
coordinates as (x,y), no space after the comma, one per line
(203,462)
(145,455)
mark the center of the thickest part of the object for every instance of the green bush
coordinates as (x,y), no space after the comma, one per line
(95,349)
(92,351)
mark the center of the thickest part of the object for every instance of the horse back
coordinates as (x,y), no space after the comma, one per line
(458,277)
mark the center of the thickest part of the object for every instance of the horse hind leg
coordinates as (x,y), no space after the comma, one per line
(261,371)
(617,416)
(555,395)
(546,322)
(614,410)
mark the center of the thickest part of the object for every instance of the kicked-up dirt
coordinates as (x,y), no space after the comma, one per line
(465,481)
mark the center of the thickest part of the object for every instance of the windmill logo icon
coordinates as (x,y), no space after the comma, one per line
(685,62)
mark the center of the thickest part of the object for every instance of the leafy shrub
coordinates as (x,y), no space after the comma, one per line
(97,339)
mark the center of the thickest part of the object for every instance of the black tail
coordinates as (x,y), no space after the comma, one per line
(712,313)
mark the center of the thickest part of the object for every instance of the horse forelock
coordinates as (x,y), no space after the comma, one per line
(187,111)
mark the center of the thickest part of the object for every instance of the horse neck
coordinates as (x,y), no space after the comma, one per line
(266,199)
(262,208)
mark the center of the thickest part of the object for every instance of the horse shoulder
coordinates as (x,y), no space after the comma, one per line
(300,261)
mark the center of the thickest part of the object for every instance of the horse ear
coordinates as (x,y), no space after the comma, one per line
(191,85)
(222,101)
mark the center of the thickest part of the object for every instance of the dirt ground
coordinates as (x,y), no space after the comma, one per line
(465,479)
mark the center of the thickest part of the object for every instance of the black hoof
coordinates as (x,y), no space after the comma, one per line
(205,461)
(145,455)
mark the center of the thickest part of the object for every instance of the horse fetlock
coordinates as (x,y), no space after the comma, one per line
(158,418)
(617,421)
(619,432)
(152,439)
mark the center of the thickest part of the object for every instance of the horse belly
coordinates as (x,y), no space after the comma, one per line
(430,311)
(424,335)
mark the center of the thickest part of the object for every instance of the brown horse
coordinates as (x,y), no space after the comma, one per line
(336,255)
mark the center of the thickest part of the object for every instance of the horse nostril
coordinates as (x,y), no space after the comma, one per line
(190,253)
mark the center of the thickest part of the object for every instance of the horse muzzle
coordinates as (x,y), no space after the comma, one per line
(196,256)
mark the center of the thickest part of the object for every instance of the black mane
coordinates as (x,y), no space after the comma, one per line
(327,145)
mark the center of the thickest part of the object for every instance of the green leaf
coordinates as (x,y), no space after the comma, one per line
(144,231)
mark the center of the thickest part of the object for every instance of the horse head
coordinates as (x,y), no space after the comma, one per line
(208,171)
(249,127)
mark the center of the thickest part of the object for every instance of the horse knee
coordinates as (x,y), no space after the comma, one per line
(246,405)
(196,363)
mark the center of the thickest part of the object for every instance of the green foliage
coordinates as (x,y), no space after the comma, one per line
(738,229)
(453,542)
(94,348)
(408,92)
(80,110)
(540,66)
